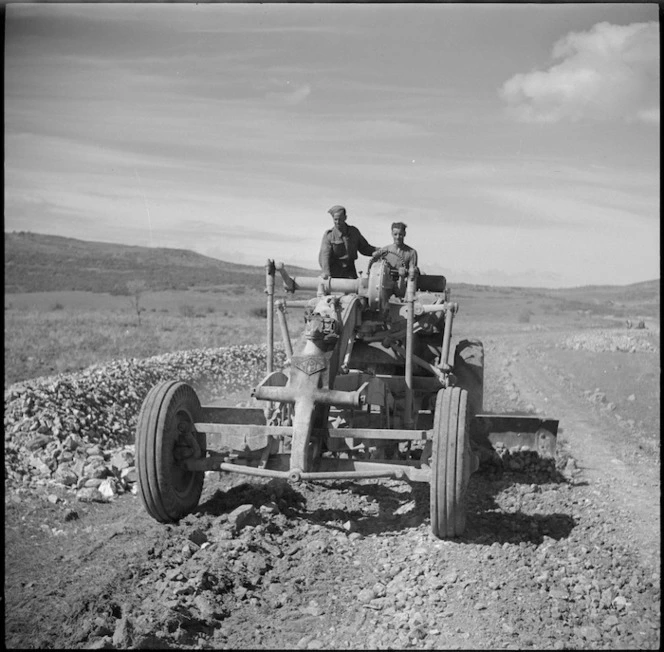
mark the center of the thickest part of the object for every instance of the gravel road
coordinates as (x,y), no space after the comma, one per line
(558,556)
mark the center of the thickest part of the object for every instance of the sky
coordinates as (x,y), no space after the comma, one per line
(518,142)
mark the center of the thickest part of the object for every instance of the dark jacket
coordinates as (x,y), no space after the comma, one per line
(338,252)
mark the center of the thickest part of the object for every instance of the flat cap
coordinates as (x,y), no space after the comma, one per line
(336,209)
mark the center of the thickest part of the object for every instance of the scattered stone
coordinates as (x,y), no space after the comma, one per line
(37,442)
(198,537)
(122,459)
(104,643)
(243,516)
(89,495)
(107,489)
(365,595)
(538,553)
(122,636)
(65,475)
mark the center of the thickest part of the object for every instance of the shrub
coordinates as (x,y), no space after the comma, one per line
(57,306)
(119,290)
(260,311)
(186,310)
(524,316)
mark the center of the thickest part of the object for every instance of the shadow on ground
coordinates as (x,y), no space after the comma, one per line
(375,506)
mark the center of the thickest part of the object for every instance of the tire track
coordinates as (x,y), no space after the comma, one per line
(595,444)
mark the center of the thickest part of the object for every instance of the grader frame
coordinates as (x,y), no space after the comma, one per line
(369,392)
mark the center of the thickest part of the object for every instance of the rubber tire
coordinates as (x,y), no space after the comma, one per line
(450,463)
(168,492)
(469,372)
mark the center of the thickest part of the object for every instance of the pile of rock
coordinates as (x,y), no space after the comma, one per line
(77,430)
(608,340)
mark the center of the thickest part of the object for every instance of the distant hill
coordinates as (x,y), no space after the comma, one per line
(45,263)
(637,298)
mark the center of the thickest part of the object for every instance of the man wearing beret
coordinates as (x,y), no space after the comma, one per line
(340,246)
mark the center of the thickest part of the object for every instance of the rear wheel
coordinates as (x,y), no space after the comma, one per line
(165,437)
(469,372)
(451,463)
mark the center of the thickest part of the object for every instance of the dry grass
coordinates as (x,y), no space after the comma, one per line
(55,332)
(62,335)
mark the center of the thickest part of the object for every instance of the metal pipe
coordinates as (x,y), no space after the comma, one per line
(447,335)
(410,320)
(296,303)
(281,313)
(418,361)
(297,475)
(290,394)
(269,290)
(328,286)
(342,475)
(250,470)
(434,307)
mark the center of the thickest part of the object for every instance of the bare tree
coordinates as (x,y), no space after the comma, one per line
(136,290)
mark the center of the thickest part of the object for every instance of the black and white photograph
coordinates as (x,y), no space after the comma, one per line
(332,325)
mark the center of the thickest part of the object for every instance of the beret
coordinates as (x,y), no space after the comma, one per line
(336,209)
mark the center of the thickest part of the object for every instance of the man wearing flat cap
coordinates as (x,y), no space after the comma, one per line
(340,246)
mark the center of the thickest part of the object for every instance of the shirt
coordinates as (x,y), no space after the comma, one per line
(398,257)
(338,251)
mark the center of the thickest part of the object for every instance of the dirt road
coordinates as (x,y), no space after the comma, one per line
(557,560)
(612,459)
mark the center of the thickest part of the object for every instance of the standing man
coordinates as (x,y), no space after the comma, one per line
(340,246)
(398,254)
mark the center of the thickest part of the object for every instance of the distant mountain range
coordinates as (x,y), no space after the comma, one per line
(45,263)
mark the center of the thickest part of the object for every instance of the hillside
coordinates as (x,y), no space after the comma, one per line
(46,263)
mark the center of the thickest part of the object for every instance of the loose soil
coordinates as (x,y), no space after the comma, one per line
(354,565)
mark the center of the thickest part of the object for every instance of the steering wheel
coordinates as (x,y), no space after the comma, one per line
(388,257)
(380,285)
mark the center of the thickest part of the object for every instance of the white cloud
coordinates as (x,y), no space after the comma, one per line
(291,97)
(610,72)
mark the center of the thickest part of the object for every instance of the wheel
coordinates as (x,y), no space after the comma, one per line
(469,371)
(165,436)
(451,463)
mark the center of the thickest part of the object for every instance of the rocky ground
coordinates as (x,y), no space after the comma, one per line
(560,554)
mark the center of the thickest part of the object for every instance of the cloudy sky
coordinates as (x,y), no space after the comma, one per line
(519,143)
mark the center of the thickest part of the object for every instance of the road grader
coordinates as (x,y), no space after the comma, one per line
(367,391)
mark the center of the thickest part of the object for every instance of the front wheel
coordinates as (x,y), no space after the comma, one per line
(165,437)
(451,463)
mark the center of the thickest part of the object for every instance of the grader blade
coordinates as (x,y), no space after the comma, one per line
(515,431)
